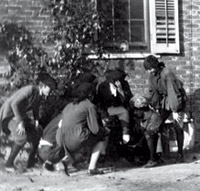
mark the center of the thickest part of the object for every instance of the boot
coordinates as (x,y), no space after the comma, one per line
(180,140)
(32,159)
(15,150)
(66,161)
(152,144)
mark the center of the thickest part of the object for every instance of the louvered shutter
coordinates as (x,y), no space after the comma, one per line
(164,26)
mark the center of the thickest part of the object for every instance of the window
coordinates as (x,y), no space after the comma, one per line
(146,26)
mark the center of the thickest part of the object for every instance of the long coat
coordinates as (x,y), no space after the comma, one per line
(166,91)
(79,125)
(22,101)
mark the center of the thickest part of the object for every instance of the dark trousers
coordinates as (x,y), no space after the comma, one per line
(51,153)
(152,140)
(31,136)
(165,135)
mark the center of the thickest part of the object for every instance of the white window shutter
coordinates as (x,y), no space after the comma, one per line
(164,26)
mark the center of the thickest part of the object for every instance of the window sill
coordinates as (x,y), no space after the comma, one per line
(119,56)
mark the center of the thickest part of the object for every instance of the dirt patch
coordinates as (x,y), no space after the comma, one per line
(120,175)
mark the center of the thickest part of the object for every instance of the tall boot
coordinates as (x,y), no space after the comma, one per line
(152,144)
(32,154)
(180,140)
(14,151)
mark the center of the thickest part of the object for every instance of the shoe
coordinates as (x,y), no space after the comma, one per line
(150,164)
(95,171)
(179,158)
(49,166)
(65,161)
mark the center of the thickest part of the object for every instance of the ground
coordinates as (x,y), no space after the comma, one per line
(118,176)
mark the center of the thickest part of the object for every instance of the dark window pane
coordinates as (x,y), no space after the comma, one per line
(137,31)
(121,9)
(108,31)
(105,7)
(137,9)
(121,30)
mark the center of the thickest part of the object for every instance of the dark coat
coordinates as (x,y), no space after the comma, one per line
(106,99)
(79,125)
(22,101)
(49,133)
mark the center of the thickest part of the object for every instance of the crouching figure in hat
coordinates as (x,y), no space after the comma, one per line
(18,124)
(80,126)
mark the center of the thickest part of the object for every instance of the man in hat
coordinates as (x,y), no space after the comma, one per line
(15,118)
(113,97)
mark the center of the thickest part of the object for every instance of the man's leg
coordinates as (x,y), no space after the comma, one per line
(151,139)
(33,137)
(96,151)
(51,155)
(180,141)
(123,116)
(32,154)
(18,142)
(14,152)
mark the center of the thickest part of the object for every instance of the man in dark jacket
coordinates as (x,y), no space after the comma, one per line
(113,97)
(167,96)
(14,118)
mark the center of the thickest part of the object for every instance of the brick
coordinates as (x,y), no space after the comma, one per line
(186,64)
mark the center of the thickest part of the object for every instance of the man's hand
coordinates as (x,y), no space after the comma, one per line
(113,89)
(21,128)
(38,127)
(60,123)
(119,87)
(176,117)
(36,123)
(126,138)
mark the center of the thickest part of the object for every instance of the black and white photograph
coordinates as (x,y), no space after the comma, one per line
(99,95)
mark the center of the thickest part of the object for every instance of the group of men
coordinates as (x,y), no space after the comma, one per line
(81,123)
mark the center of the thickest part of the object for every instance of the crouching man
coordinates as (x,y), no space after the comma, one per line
(48,150)
(151,122)
(15,121)
(80,126)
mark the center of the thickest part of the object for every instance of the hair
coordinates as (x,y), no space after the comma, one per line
(139,101)
(84,91)
(152,62)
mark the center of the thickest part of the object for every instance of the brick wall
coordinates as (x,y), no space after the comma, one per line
(186,64)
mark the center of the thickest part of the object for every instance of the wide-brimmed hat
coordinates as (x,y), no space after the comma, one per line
(114,75)
(46,79)
(86,77)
